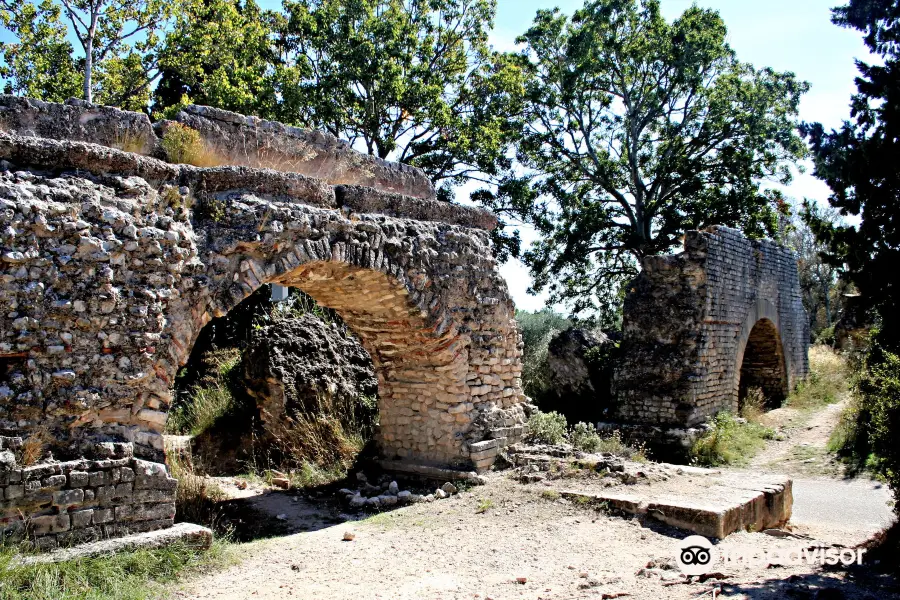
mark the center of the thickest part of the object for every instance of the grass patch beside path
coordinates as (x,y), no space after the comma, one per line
(730,441)
(733,441)
(828,382)
(135,575)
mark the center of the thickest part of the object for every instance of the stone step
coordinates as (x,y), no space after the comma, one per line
(714,509)
(193,536)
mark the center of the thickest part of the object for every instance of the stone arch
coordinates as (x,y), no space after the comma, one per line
(420,296)
(444,351)
(132,276)
(761,364)
(691,318)
(111,262)
(419,354)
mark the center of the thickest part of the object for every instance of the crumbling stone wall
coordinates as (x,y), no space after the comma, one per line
(250,141)
(111,262)
(64,503)
(77,120)
(702,326)
(291,363)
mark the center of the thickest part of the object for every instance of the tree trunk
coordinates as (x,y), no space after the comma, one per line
(89,52)
(88,66)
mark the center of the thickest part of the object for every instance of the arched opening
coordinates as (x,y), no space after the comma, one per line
(762,371)
(275,384)
(419,357)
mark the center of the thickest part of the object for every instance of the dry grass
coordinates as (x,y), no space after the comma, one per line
(828,382)
(184,145)
(129,141)
(34,447)
(197,495)
(753,406)
(328,435)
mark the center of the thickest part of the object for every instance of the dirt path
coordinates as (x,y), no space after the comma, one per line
(802,450)
(501,541)
(508,540)
(827,501)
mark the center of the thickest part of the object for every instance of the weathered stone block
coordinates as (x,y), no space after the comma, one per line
(49,524)
(154,512)
(68,497)
(103,515)
(82,518)
(78,479)
(153,496)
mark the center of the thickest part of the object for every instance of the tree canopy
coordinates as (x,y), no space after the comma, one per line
(820,282)
(859,163)
(635,130)
(39,64)
(220,53)
(119,42)
(411,80)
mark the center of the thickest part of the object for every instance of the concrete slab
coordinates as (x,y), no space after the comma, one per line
(189,534)
(715,506)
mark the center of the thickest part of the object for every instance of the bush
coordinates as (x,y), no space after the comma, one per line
(879,389)
(585,437)
(183,145)
(614,444)
(546,428)
(826,337)
(729,441)
(863,436)
(328,438)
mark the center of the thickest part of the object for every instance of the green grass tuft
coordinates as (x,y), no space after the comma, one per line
(134,575)
(208,402)
(729,441)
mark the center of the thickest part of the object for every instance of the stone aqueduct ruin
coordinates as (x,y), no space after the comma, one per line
(109,282)
(703,327)
(112,260)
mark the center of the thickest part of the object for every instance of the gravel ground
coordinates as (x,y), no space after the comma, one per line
(503,540)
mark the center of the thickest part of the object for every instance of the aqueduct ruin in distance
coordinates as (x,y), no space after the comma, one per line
(112,260)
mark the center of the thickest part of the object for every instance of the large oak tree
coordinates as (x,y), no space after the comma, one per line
(408,80)
(637,129)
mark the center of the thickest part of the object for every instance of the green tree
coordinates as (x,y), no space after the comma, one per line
(119,42)
(39,63)
(407,80)
(859,164)
(636,130)
(220,53)
(820,282)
